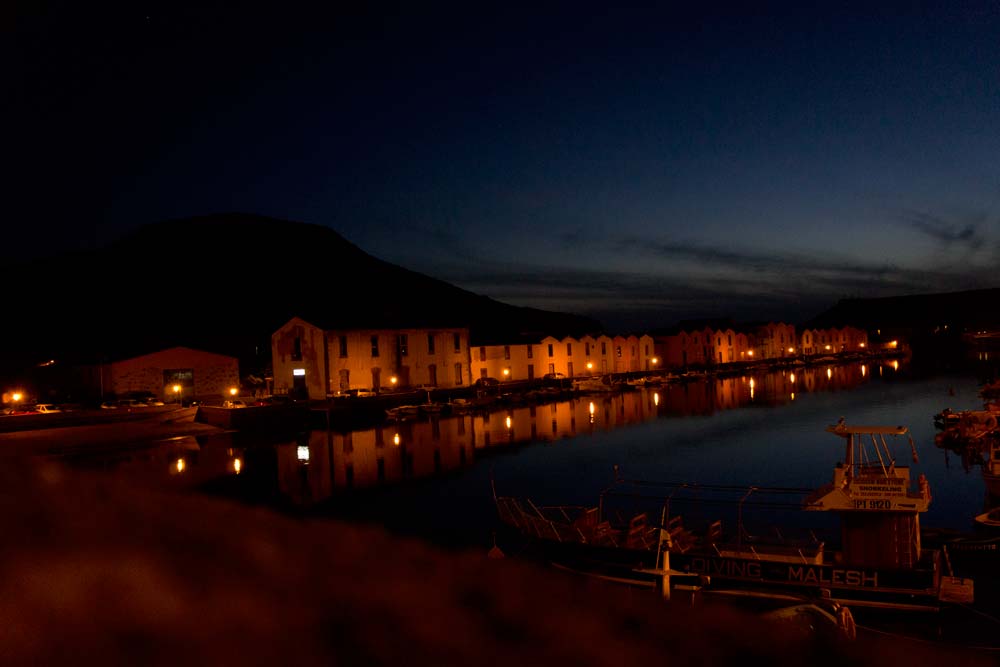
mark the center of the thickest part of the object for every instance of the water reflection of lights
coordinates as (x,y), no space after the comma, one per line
(237,466)
(752,385)
(508,422)
(590,408)
(829,373)
(793,396)
(180,465)
(302,452)
(895,365)
(395,439)
(656,398)
(791,378)
(864,371)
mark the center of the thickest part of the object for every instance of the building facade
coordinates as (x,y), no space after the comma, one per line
(175,374)
(310,361)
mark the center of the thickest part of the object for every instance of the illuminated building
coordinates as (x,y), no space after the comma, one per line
(314,362)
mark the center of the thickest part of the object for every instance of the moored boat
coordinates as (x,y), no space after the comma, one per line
(879,563)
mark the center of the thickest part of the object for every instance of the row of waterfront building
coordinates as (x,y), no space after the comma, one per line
(312,361)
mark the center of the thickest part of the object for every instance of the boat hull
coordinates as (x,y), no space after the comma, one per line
(915,589)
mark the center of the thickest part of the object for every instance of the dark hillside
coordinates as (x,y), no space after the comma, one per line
(224,283)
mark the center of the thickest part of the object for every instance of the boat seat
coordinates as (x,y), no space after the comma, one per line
(635,536)
(587,518)
(681,539)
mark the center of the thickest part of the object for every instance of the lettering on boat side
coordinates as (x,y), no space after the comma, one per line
(872,504)
(812,575)
(726,567)
(836,576)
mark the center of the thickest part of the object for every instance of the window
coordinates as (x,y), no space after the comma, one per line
(178,376)
(402,344)
(506,352)
(430,343)
(550,349)
(647,349)
(618,351)
(482,373)
(458,342)
(343,347)
(569,349)
(482,354)
(729,339)
(374,346)
(552,369)
(604,348)
(297,349)
(458,373)
(530,352)
(586,349)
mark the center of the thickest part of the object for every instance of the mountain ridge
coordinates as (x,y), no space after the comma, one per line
(225,282)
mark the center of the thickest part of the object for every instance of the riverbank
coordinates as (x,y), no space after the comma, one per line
(110,431)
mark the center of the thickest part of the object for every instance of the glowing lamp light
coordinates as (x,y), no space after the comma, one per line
(750,353)
(237,466)
(395,439)
(16,396)
(791,350)
(176,388)
(508,423)
(233,391)
(895,365)
(862,344)
(302,453)
(506,372)
(393,380)
(299,372)
(828,347)
(180,465)
(655,360)
(893,343)
(590,365)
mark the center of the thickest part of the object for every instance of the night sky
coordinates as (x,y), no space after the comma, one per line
(758,160)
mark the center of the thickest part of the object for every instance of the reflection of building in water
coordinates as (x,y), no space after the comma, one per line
(322,464)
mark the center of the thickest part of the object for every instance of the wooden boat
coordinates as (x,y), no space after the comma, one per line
(402,412)
(880,562)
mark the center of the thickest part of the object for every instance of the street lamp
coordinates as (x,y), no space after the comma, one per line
(15,398)
(233,391)
(177,393)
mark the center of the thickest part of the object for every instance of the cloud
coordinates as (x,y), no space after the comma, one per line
(944,231)
(635,280)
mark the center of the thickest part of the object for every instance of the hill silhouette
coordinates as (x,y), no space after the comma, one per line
(224,283)
(969,309)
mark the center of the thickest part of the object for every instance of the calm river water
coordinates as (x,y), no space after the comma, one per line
(432,477)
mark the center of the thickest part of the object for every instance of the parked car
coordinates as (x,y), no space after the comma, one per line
(360,393)
(273,400)
(109,405)
(154,402)
(234,403)
(131,403)
(47,408)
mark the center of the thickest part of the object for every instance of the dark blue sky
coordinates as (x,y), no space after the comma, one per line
(639,165)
